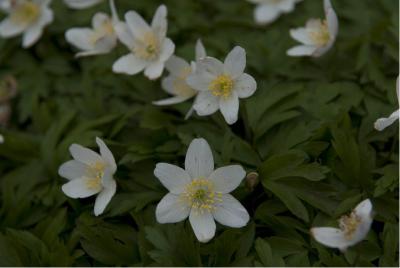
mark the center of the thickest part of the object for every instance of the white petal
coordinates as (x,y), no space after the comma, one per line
(154,70)
(330,237)
(80,38)
(200,50)
(211,65)
(31,36)
(78,188)
(265,14)
(171,209)
(171,101)
(159,22)
(84,155)
(168,48)
(286,5)
(231,213)
(9,29)
(73,169)
(172,177)
(124,34)
(129,64)
(226,179)
(90,53)
(81,4)
(176,65)
(300,34)
(168,84)
(201,79)
(206,103)
(235,62)
(99,19)
(245,86)
(333,24)
(230,108)
(106,43)
(203,225)
(383,123)
(301,51)
(364,209)
(199,162)
(104,198)
(106,154)
(136,24)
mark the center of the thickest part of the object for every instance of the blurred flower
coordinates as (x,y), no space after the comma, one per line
(353,228)
(318,36)
(5,5)
(89,174)
(175,84)
(99,40)
(200,192)
(150,48)
(383,123)
(1,139)
(27,17)
(268,11)
(220,85)
(81,4)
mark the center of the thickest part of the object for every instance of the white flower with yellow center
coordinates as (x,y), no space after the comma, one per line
(200,192)
(383,123)
(90,173)
(27,17)
(99,40)
(318,36)
(353,228)
(220,85)
(81,4)
(149,46)
(268,11)
(175,84)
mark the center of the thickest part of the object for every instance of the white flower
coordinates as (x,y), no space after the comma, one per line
(27,17)
(149,47)
(175,84)
(90,173)
(382,123)
(81,4)
(5,5)
(353,228)
(268,11)
(220,85)
(200,192)
(318,36)
(99,40)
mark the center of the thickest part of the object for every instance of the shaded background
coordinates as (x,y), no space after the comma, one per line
(308,131)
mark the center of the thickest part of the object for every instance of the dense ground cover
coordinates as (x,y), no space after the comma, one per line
(307,131)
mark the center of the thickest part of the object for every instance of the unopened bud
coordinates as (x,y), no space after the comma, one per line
(252,180)
(8,88)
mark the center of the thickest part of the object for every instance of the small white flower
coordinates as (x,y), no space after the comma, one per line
(81,4)
(175,84)
(220,85)
(149,46)
(353,228)
(90,173)
(318,36)
(5,5)
(383,123)
(99,40)
(268,11)
(200,192)
(27,17)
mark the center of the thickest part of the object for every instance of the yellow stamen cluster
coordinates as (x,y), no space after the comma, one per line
(148,47)
(200,196)
(349,224)
(97,172)
(25,13)
(221,86)
(320,35)
(181,88)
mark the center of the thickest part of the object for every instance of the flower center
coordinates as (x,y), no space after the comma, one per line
(97,171)
(320,35)
(25,13)
(181,88)
(348,224)
(148,47)
(104,30)
(221,86)
(200,195)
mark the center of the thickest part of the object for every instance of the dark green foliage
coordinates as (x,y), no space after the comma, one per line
(308,132)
